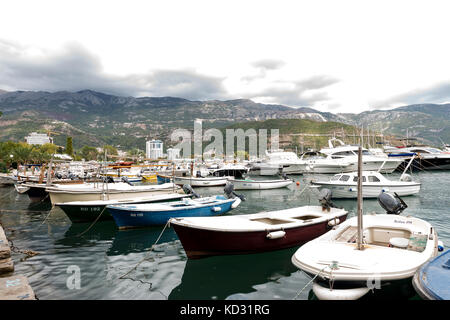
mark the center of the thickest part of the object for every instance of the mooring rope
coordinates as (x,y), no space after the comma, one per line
(92,224)
(314,278)
(151,248)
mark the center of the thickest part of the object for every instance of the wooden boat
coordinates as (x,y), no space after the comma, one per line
(88,211)
(368,252)
(432,280)
(249,184)
(344,185)
(251,233)
(107,191)
(144,215)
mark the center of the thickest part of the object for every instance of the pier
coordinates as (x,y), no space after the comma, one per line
(12,287)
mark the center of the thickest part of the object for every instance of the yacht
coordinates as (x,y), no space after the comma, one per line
(321,163)
(370,162)
(426,158)
(279,162)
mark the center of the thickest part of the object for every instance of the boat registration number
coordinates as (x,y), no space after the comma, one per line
(136,214)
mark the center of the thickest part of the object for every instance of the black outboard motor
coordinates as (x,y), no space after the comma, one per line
(58,175)
(108,179)
(229,192)
(125,179)
(198,174)
(188,190)
(392,203)
(284,175)
(325,200)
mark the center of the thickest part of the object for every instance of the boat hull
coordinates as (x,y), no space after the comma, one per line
(201,182)
(259,185)
(350,191)
(90,212)
(126,219)
(199,243)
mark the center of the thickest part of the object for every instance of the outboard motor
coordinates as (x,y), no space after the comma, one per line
(229,192)
(108,179)
(284,175)
(188,190)
(125,179)
(198,174)
(58,175)
(325,200)
(392,203)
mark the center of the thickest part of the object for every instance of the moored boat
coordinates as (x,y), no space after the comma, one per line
(88,211)
(144,215)
(345,185)
(249,184)
(201,181)
(432,280)
(251,233)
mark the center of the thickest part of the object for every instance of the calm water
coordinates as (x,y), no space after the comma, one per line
(103,254)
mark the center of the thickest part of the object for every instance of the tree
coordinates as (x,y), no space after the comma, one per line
(110,150)
(89,153)
(69,146)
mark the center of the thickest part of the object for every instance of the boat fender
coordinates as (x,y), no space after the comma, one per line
(216,209)
(323,293)
(276,234)
(236,203)
(440,246)
(333,222)
(385,190)
(353,189)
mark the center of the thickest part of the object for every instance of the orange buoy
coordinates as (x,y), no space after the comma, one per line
(298,183)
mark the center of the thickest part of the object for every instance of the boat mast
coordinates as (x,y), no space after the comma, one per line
(359,203)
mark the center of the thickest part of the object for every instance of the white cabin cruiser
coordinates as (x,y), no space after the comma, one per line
(369,161)
(321,163)
(345,185)
(280,161)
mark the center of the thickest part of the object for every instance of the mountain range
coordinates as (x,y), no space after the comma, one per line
(96,118)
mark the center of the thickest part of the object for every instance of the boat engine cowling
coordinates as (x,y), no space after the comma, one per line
(229,192)
(325,199)
(392,203)
(125,179)
(188,190)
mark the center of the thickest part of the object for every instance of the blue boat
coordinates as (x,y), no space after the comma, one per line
(163,179)
(432,280)
(152,214)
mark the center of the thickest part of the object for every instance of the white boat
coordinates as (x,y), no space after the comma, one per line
(320,163)
(201,181)
(249,184)
(368,252)
(106,191)
(280,161)
(369,161)
(344,185)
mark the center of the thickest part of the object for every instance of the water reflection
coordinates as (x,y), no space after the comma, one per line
(221,276)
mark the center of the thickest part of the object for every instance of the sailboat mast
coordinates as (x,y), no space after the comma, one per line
(359,203)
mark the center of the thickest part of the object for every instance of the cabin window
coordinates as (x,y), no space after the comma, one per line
(335,178)
(344,153)
(355,179)
(373,179)
(344,178)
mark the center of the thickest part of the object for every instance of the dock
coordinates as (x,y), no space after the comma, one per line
(12,287)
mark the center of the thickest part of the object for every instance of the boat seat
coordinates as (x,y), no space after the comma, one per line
(401,243)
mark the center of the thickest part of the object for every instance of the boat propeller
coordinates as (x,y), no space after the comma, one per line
(188,190)
(229,191)
(392,203)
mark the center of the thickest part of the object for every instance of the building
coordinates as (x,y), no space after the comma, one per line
(38,138)
(154,149)
(173,154)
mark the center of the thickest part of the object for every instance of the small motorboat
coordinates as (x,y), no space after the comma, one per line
(88,211)
(250,184)
(252,233)
(432,280)
(344,185)
(199,181)
(145,215)
(368,254)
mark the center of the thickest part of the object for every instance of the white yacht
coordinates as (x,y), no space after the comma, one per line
(321,163)
(279,161)
(350,154)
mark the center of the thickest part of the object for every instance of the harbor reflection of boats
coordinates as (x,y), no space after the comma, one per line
(219,277)
(139,240)
(102,231)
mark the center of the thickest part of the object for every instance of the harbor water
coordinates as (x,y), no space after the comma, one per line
(94,265)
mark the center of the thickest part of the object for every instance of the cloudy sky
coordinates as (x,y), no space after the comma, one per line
(338,56)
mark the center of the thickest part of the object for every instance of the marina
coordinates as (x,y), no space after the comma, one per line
(104,253)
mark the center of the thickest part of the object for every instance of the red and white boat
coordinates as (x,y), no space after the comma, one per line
(251,233)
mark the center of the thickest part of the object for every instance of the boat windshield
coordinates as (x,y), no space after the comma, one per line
(335,178)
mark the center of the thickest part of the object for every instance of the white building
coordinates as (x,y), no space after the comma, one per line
(173,154)
(38,138)
(154,149)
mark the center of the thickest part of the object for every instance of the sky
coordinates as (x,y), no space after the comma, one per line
(336,56)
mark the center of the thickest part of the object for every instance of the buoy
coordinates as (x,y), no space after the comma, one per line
(298,183)
(440,246)
(276,234)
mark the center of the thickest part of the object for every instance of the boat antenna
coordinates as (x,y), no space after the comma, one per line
(360,201)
